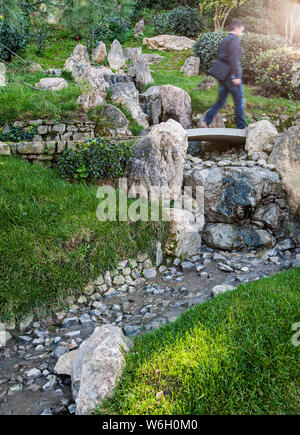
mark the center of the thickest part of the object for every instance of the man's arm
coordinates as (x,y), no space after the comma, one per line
(234,61)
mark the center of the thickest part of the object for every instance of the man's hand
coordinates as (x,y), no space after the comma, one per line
(236,82)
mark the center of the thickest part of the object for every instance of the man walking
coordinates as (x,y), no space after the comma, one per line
(230,52)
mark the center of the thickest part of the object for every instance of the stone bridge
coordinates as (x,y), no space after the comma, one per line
(230,135)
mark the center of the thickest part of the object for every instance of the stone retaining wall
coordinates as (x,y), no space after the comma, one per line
(50,141)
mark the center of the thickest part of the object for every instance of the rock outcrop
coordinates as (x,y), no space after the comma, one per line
(97,366)
(169,42)
(111,122)
(286,159)
(99,53)
(150,101)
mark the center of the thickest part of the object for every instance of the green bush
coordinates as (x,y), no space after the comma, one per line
(274,73)
(206,48)
(109,29)
(259,25)
(183,21)
(13,38)
(254,44)
(96,158)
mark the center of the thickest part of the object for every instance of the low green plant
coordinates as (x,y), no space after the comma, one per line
(12,39)
(16,134)
(274,70)
(96,158)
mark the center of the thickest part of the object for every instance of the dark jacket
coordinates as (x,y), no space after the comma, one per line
(231,51)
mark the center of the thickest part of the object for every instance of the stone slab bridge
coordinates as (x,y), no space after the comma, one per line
(230,135)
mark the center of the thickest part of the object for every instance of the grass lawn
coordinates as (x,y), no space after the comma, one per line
(51,243)
(230,355)
(18,101)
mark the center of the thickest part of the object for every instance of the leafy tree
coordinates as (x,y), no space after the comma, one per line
(221,10)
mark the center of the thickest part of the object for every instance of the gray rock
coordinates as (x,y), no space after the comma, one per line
(177,105)
(2,75)
(220,289)
(52,84)
(131,53)
(149,273)
(153,58)
(115,57)
(127,95)
(99,53)
(139,28)
(141,72)
(65,362)
(111,122)
(191,66)
(260,137)
(150,101)
(70,321)
(97,366)
(33,373)
(4,149)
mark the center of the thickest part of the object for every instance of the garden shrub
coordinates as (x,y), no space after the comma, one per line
(183,21)
(14,38)
(96,158)
(274,73)
(206,48)
(259,25)
(254,44)
(109,29)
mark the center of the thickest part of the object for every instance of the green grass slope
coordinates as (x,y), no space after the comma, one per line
(51,243)
(231,355)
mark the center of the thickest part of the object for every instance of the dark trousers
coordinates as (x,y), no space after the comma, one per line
(237,92)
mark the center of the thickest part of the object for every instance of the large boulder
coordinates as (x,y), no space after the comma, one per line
(236,194)
(191,66)
(151,104)
(112,122)
(78,60)
(177,105)
(64,365)
(131,53)
(2,74)
(115,57)
(97,367)
(169,43)
(286,159)
(52,84)
(99,53)
(228,237)
(184,236)
(260,138)
(158,159)
(127,95)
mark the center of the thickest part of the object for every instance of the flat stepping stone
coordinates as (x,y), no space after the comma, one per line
(230,135)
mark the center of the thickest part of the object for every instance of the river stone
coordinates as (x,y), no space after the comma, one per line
(4,149)
(115,57)
(169,43)
(286,159)
(127,95)
(111,122)
(191,66)
(158,160)
(2,74)
(65,362)
(52,84)
(99,53)
(150,101)
(97,366)
(228,237)
(260,137)
(220,289)
(177,105)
